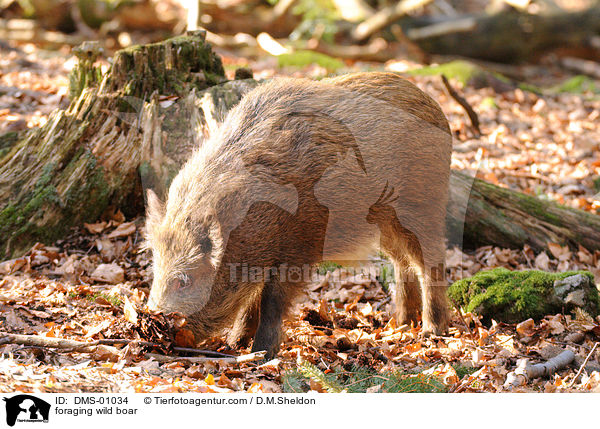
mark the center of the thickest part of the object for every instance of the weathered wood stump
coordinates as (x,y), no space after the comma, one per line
(87,158)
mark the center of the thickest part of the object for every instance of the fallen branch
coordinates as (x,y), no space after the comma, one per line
(525,371)
(239,40)
(89,346)
(233,359)
(385,17)
(508,35)
(50,342)
(583,365)
(586,67)
(465,105)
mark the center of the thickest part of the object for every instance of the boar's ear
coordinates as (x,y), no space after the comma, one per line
(155,210)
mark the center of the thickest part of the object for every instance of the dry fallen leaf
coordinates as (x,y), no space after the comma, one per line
(123,230)
(185,338)
(109,273)
(526,327)
(542,261)
(559,252)
(129,310)
(556,326)
(95,228)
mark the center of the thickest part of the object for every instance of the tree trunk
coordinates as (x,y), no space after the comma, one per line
(510,36)
(138,125)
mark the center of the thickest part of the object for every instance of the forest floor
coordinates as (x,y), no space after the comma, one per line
(92,284)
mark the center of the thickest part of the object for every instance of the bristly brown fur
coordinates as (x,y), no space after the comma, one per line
(302,171)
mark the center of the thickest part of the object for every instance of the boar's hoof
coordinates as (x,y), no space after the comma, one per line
(430,329)
(271,349)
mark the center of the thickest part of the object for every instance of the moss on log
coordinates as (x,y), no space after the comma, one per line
(514,296)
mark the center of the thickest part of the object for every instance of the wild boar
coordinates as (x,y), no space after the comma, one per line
(303,171)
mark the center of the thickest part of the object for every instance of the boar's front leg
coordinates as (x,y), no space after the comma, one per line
(245,325)
(268,335)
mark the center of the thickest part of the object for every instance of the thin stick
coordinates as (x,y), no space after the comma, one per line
(194,359)
(583,364)
(465,105)
(178,349)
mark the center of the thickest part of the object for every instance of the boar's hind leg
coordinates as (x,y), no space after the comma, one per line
(268,335)
(433,284)
(418,262)
(408,295)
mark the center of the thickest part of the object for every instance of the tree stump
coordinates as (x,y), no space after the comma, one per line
(88,157)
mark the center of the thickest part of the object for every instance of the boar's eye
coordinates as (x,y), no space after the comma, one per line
(205,245)
(181,281)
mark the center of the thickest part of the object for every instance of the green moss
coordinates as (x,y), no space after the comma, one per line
(305,58)
(114,300)
(148,176)
(95,191)
(19,222)
(8,139)
(488,103)
(141,69)
(513,296)
(577,84)
(462,71)
(597,184)
(530,87)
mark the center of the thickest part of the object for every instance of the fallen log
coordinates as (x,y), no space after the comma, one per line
(510,35)
(480,213)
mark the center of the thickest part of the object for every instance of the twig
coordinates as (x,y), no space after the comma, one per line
(465,105)
(175,348)
(26,30)
(193,359)
(525,175)
(583,365)
(377,50)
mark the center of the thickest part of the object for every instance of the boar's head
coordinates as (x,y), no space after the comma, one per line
(187,247)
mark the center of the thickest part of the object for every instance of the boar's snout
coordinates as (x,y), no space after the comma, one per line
(152,305)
